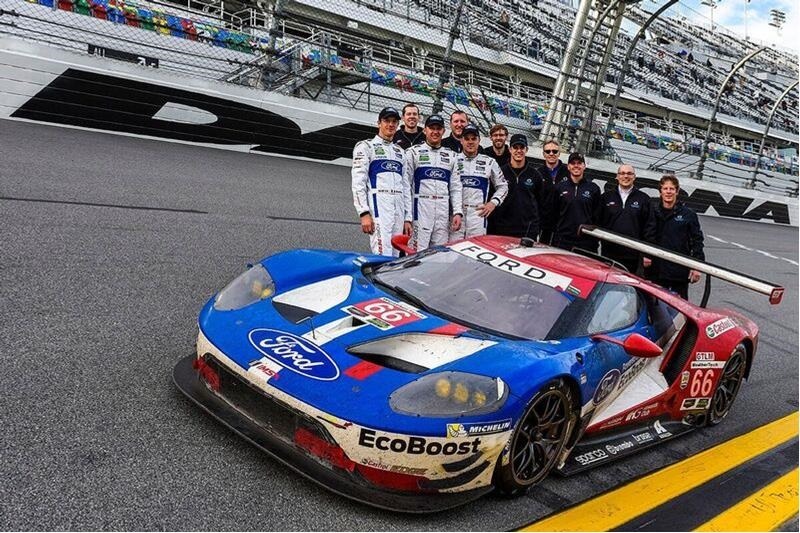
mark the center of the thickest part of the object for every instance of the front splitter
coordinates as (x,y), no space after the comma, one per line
(188,382)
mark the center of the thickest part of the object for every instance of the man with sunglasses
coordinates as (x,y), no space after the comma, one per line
(553,171)
(520,213)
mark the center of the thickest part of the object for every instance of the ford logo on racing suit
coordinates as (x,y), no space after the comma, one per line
(435,173)
(471,182)
(391,166)
(295,353)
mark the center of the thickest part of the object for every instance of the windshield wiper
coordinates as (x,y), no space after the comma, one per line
(407,296)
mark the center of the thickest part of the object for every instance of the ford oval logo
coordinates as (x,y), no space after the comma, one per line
(471,182)
(295,353)
(391,166)
(434,173)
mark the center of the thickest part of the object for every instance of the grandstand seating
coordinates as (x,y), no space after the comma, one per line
(537,31)
(139,14)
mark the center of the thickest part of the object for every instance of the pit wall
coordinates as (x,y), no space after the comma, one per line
(45,84)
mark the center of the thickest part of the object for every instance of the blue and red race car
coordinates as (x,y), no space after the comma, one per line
(417,384)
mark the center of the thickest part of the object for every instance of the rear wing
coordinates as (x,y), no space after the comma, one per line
(775,292)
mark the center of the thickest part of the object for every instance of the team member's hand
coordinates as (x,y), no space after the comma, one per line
(367,224)
(456,224)
(694,276)
(407,228)
(486,209)
(646,262)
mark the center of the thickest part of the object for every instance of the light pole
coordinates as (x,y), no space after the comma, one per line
(778,18)
(712,4)
(704,150)
(752,184)
(447,63)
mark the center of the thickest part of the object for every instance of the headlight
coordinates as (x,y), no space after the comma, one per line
(450,394)
(251,286)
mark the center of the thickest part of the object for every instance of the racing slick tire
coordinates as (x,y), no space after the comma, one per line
(538,440)
(728,385)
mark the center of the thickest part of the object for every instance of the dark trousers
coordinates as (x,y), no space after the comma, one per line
(679,287)
(633,264)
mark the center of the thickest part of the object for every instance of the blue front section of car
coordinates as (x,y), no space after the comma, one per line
(524,366)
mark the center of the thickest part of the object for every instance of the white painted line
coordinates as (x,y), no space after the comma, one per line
(767,254)
(762,252)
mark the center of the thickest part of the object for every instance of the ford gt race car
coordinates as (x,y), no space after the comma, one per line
(419,383)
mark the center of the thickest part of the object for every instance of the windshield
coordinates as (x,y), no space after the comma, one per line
(477,294)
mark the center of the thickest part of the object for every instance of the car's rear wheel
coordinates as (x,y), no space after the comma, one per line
(728,386)
(537,441)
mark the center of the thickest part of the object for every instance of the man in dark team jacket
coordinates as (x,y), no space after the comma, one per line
(628,211)
(498,150)
(521,211)
(554,172)
(575,202)
(677,229)
(458,120)
(410,134)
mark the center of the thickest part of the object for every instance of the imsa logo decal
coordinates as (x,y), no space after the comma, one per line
(295,353)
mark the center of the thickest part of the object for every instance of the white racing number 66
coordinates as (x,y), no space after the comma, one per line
(387,312)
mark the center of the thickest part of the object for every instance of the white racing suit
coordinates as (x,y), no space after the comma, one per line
(433,188)
(378,189)
(477,175)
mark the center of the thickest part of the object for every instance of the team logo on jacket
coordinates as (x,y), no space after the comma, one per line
(471,182)
(391,166)
(435,174)
(294,353)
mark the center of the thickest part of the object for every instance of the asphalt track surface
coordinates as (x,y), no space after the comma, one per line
(110,246)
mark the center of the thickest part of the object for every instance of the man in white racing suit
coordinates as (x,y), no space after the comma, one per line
(477,173)
(433,189)
(378,184)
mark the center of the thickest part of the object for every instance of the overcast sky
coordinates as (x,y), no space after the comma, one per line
(731,15)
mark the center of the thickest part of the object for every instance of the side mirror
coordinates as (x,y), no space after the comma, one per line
(400,243)
(634,345)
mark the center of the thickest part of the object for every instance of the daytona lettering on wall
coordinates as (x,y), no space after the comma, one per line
(117,104)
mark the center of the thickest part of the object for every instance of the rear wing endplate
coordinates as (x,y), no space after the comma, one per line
(773,291)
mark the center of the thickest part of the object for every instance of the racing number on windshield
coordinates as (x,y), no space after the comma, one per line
(702,382)
(391,312)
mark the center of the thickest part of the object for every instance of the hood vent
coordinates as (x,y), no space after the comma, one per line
(418,352)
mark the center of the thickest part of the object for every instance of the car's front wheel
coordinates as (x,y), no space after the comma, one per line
(728,386)
(537,441)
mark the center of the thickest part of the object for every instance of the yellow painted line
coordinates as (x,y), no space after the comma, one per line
(764,510)
(618,506)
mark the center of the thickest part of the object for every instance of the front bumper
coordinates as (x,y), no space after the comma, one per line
(268,426)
